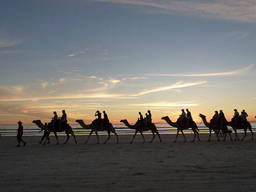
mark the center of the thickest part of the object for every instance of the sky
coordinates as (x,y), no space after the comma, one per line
(126,56)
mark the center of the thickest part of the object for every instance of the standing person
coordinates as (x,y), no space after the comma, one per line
(215,117)
(19,134)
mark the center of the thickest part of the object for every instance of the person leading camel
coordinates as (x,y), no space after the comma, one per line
(19,134)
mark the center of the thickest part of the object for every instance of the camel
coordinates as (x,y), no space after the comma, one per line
(183,126)
(52,128)
(240,123)
(218,127)
(140,128)
(213,126)
(95,128)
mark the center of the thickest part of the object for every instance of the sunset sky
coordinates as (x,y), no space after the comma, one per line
(126,56)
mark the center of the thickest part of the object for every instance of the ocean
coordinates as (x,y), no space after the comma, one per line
(32,130)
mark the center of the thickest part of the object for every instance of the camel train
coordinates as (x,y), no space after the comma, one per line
(218,125)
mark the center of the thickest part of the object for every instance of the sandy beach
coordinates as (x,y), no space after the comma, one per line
(167,166)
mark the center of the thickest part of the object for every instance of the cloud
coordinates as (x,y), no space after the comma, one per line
(228,73)
(62,80)
(6,42)
(166,104)
(8,97)
(177,85)
(237,10)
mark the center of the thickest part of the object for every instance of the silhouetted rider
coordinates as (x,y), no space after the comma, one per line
(236,114)
(244,115)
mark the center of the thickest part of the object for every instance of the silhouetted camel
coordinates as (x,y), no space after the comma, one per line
(183,126)
(214,125)
(68,130)
(240,123)
(95,128)
(218,127)
(140,128)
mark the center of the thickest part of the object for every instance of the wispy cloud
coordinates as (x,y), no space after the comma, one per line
(6,42)
(177,85)
(227,73)
(166,104)
(229,9)
(96,93)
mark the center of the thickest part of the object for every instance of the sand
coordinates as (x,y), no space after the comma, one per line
(167,166)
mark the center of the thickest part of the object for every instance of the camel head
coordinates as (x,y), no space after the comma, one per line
(38,123)
(165,118)
(202,116)
(123,121)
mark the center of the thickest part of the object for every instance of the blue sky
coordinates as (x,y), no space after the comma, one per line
(125,56)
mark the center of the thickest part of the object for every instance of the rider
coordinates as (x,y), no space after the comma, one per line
(98,114)
(55,116)
(189,117)
(141,119)
(55,119)
(216,115)
(105,116)
(149,117)
(63,119)
(222,117)
(244,115)
(64,116)
(236,114)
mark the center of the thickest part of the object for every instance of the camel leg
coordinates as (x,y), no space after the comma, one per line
(245,133)
(72,133)
(185,140)
(48,138)
(176,136)
(159,136)
(250,128)
(217,135)
(236,136)
(194,138)
(198,136)
(67,138)
(142,137)
(152,137)
(116,137)
(89,137)
(210,134)
(40,142)
(107,137)
(225,135)
(134,136)
(230,136)
(56,136)
(98,138)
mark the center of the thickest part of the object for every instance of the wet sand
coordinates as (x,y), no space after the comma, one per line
(167,166)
